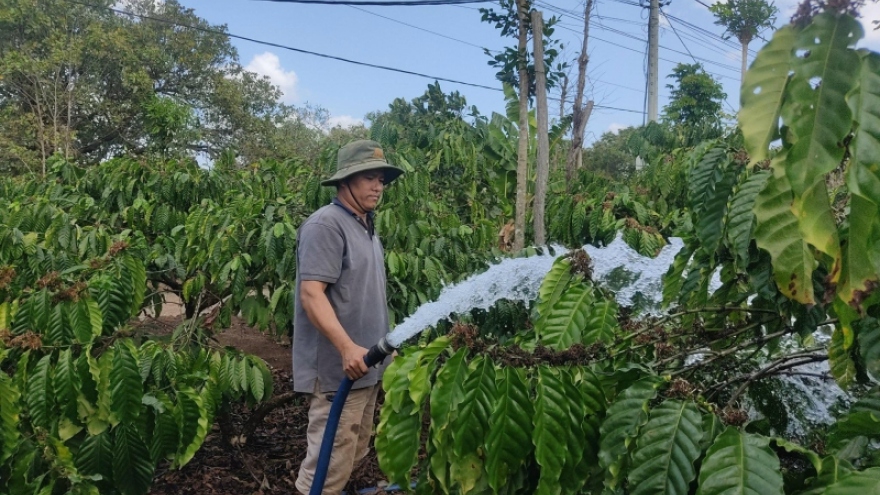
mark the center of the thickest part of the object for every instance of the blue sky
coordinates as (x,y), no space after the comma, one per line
(399,37)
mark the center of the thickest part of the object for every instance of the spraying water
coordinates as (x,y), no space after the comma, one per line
(636,279)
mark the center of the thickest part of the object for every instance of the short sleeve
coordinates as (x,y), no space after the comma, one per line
(320,250)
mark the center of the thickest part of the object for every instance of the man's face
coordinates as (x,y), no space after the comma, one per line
(366,188)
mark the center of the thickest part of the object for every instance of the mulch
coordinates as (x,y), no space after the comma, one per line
(267,462)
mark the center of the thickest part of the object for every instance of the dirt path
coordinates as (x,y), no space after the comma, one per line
(266,464)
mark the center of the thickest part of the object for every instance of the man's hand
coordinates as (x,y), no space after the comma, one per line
(353,361)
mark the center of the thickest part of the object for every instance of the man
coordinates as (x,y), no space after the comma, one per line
(341,310)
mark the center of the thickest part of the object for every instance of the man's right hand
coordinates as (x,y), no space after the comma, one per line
(353,361)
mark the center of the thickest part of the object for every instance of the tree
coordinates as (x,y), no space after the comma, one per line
(743,20)
(694,109)
(516,70)
(611,154)
(82,81)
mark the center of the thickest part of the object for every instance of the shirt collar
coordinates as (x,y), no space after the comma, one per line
(370,228)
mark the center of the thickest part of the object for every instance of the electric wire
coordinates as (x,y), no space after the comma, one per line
(689,50)
(424,29)
(382,3)
(308,52)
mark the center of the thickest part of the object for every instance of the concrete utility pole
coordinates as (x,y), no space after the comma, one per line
(543,167)
(653,57)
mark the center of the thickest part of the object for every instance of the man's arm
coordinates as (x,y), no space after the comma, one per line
(320,312)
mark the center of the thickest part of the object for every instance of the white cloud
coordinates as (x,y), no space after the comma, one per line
(616,128)
(344,121)
(870,12)
(268,64)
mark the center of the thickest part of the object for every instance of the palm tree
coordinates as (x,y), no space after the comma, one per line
(744,19)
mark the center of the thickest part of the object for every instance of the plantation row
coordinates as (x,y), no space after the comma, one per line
(567,394)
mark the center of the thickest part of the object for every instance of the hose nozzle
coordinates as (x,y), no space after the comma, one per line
(377,353)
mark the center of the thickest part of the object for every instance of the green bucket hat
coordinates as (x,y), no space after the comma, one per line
(358,156)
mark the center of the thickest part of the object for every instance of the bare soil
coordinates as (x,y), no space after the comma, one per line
(267,463)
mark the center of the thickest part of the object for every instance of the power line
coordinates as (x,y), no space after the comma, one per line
(307,52)
(381,3)
(640,38)
(688,50)
(423,29)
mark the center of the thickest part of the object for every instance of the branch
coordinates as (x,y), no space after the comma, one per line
(783,363)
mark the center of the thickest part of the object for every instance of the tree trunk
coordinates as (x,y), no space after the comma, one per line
(522,162)
(543,165)
(745,60)
(580,112)
(562,96)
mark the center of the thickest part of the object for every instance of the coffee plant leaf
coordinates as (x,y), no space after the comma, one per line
(126,387)
(601,325)
(554,285)
(777,232)
(10,415)
(623,420)
(763,92)
(510,427)
(426,362)
(740,463)
(830,471)
(397,439)
(38,394)
(194,423)
(667,447)
(857,483)
(843,368)
(132,465)
(563,325)
(741,217)
(471,423)
(95,456)
(551,421)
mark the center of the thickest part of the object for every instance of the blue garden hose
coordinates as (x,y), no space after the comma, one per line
(374,356)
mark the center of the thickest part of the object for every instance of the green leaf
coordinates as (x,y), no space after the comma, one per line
(10,416)
(863,175)
(510,427)
(397,439)
(193,422)
(763,91)
(39,393)
(831,471)
(586,405)
(741,218)
(843,368)
(446,396)
(67,385)
(551,427)
(704,175)
(601,323)
(740,463)
(418,377)
(859,271)
(125,382)
(667,448)
(820,118)
(256,384)
(857,483)
(471,423)
(622,423)
(554,285)
(777,232)
(132,465)
(95,455)
(868,332)
(562,326)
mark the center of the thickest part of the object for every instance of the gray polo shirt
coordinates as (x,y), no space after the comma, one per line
(333,246)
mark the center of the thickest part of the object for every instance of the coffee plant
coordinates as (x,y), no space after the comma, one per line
(583,399)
